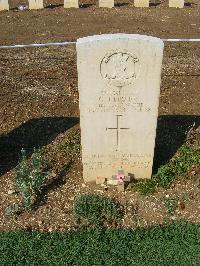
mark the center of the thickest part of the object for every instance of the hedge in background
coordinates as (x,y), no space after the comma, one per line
(175,244)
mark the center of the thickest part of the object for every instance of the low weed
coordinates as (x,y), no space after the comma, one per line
(171,205)
(29,180)
(73,143)
(95,210)
(186,157)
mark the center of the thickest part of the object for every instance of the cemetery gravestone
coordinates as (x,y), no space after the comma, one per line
(71,3)
(119,86)
(176,3)
(106,3)
(141,3)
(4,5)
(35,4)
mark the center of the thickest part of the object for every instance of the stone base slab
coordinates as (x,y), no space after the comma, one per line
(141,3)
(176,3)
(36,4)
(106,3)
(71,4)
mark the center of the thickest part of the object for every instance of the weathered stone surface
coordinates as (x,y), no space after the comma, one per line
(112,182)
(106,3)
(176,3)
(71,3)
(141,3)
(100,180)
(4,5)
(119,86)
(36,4)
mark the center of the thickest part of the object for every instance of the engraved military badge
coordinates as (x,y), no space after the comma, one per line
(119,68)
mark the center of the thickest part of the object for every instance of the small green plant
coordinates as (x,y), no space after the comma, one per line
(95,210)
(171,205)
(146,186)
(72,144)
(29,180)
(186,157)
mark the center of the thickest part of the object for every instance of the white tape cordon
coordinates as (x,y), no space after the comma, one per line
(181,40)
(69,43)
(36,45)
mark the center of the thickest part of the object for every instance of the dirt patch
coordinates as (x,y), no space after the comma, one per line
(39,107)
(54,23)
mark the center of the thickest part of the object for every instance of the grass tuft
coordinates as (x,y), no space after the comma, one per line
(186,157)
(95,210)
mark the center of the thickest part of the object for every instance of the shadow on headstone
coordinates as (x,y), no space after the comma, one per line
(171,134)
(36,132)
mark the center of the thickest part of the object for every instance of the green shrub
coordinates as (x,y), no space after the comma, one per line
(186,157)
(29,180)
(146,186)
(96,210)
(73,143)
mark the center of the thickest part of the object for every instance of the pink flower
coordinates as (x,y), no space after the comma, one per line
(120,177)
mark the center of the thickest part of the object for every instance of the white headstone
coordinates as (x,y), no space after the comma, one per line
(4,5)
(106,3)
(176,3)
(141,3)
(119,86)
(71,3)
(36,4)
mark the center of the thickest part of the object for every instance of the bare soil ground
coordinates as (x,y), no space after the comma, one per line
(39,106)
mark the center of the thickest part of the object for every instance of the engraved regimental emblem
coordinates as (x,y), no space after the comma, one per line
(119,68)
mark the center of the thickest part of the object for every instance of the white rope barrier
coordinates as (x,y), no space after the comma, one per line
(69,43)
(36,45)
(181,40)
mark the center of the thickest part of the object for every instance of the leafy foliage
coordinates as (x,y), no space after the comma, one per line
(73,143)
(29,180)
(146,186)
(171,205)
(96,210)
(175,244)
(186,157)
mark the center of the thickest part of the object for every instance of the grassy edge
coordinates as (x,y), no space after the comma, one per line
(174,244)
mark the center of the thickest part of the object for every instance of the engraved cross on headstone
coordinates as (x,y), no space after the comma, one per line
(118,129)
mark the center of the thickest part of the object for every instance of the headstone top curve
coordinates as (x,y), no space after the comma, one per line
(118,36)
